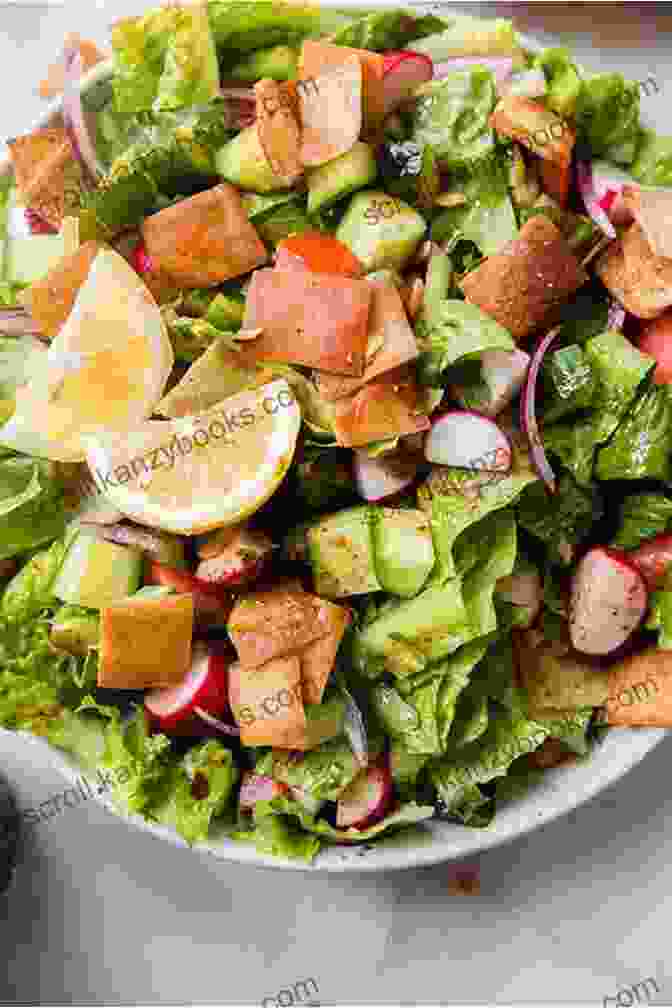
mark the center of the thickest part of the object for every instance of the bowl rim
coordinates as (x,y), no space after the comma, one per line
(561,791)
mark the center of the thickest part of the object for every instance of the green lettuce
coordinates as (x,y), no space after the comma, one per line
(453,116)
(653,164)
(607,116)
(487,218)
(456,330)
(387,29)
(241,26)
(573,444)
(474,36)
(562,78)
(641,446)
(572,380)
(199,791)
(642,516)
(562,520)
(619,369)
(164,60)
(660,618)
(32,510)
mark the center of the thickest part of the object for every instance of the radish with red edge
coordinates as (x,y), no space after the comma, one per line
(367,799)
(377,479)
(403,71)
(204,688)
(140,260)
(468,440)
(256,787)
(528,412)
(232,557)
(212,606)
(36,223)
(608,183)
(653,560)
(608,601)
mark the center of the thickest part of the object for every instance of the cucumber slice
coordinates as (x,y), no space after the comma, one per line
(338,178)
(242,162)
(340,548)
(96,572)
(30,257)
(382,230)
(75,630)
(324,721)
(403,550)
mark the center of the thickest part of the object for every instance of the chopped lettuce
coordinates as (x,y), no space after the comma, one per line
(487,218)
(641,446)
(570,375)
(653,164)
(660,618)
(642,516)
(245,25)
(322,773)
(387,29)
(607,116)
(573,443)
(563,80)
(560,521)
(458,330)
(453,116)
(32,510)
(164,60)
(200,790)
(619,369)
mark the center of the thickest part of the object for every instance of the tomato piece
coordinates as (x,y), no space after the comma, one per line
(318,253)
(653,559)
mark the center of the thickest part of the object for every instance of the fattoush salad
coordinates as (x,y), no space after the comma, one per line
(336,419)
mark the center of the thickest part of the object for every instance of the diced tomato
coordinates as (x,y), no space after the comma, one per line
(319,253)
(656,340)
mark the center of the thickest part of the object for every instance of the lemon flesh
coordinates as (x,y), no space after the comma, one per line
(106,368)
(193,474)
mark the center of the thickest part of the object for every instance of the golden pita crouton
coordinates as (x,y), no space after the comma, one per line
(522,286)
(278,129)
(43,167)
(639,279)
(145,642)
(640,690)
(51,299)
(267,703)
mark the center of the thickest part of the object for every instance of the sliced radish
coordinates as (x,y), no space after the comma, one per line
(528,412)
(36,223)
(468,440)
(232,557)
(656,340)
(403,71)
(140,260)
(367,799)
(204,687)
(501,67)
(377,479)
(255,788)
(591,199)
(212,606)
(653,560)
(608,601)
(608,182)
(523,590)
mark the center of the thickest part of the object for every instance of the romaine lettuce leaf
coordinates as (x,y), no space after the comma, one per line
(641,446)
(643,516)
(240,26)
(607,116)
(572,382)
(653,164)
(573,443)
(388,29)
(562,78)
(560,521)
(487,218)
(473,36)
(619,369)
(454,331)
(453,116)
(660,618)
(199,790)
(32,510)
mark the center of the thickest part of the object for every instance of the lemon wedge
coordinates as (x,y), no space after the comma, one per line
(197,473)
(105,369)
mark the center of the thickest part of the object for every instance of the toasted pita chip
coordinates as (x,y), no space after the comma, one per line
(653,212)
(43,167)
(267,625)
(318,56)
(51,299)
(278,128)
(640,690)
(54,83)
(640,280)
(522,286)
(317,659)
(330,112)
(387,407)
(267,704)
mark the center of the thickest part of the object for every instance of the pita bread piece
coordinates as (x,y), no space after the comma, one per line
(42,162)
(278,128)
(639,279)
(640,690)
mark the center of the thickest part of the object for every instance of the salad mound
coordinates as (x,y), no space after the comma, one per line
(335,431)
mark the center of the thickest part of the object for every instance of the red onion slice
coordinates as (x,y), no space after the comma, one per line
(616,315)
(73,114)
(225,729)
(590,199)
(528,415)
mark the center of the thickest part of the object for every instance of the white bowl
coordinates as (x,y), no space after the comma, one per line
(560,790)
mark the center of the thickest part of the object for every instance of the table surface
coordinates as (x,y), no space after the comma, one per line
(574,913)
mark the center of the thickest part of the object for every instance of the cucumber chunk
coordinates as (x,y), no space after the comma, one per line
(335,179)
(403,550)
(340,548)
(242,162)
(382,230)
(96,572)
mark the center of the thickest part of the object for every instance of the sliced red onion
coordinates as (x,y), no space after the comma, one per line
(73,114)
(210,719)
(591,199)
(501,67)
(616,315)
(528,415)
(18,322)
